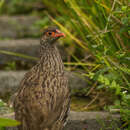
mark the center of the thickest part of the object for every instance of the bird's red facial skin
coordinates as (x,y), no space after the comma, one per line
(55,34)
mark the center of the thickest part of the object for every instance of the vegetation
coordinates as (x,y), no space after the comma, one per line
(100,27)
(5,122)
(98,36)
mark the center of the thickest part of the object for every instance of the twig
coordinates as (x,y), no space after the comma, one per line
(125,124)
(115,110)
(92,88)
(121,41)
(92,101)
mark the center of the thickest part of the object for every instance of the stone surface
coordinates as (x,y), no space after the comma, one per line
(18,26)
(28,47)
(10,80)
(87,121)
(22,7)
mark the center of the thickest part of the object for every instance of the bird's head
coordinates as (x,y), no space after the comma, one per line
(50,35)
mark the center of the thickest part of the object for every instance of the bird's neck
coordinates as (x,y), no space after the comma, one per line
(50,60)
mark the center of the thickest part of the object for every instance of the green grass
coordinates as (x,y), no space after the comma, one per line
(5,122)
(101,28)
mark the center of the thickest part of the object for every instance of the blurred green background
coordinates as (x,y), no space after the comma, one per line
(97,46)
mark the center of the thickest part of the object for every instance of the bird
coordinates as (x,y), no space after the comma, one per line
(43,98)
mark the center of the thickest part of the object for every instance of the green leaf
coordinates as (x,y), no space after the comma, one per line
(124,8)
(107,82)
(118,90)
(8,122)
(113,85)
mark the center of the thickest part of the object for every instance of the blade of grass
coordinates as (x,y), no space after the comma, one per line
(18,54)
(79,64)
(1,3)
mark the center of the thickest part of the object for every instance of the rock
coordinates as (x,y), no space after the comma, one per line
(29,47)
(10,80)
(82,116)
(18,26)
(87,121)
(22,7)
(77,84)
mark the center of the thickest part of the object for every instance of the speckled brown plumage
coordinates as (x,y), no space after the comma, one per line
(42,102)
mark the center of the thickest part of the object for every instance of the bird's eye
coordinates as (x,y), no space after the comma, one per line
(50,33)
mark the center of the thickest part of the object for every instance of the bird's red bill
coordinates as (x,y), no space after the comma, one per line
(59,34)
